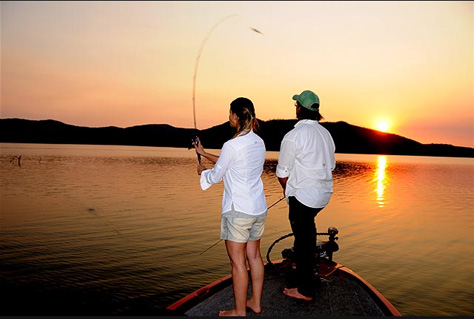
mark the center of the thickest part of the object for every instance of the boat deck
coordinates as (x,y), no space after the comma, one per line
(334,296)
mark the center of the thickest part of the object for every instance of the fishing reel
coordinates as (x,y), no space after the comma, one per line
(195,141)
(331,246)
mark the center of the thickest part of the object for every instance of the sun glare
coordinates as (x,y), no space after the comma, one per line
(383,126)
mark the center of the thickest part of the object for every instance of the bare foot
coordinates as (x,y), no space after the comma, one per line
(294,293)
(230,313)
(252,305)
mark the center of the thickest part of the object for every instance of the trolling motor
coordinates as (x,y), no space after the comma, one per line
(323,249)
(331,246)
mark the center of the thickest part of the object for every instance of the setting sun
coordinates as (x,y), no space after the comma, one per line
(383,126)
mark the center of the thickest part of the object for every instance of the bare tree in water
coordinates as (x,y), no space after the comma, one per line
(18,158)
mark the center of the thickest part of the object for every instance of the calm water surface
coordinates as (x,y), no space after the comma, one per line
(94,230)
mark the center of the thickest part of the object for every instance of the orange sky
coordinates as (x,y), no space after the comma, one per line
(132,63)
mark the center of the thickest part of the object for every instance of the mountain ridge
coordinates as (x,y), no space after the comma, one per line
(348,138)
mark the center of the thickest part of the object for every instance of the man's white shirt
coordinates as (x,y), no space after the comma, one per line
(307,159)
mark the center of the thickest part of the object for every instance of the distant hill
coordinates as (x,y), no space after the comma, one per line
(348,138)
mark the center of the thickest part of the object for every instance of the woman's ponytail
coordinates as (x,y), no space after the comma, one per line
(245,111)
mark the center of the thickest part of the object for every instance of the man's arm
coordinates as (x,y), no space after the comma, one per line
(283,181)
(286,160)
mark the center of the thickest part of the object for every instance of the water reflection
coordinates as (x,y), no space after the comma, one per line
(65,213)
(381,179)
(348,169)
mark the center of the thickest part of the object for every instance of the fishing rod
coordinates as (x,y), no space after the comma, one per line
(276,202)
(221,239)
(196,64)
(196,67)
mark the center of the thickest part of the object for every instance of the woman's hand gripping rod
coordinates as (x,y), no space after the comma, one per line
(195,140)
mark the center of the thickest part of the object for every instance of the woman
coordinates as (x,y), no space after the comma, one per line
(244,208)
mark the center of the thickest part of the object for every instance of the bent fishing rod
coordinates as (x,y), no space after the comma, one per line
(196,66)
(221,239)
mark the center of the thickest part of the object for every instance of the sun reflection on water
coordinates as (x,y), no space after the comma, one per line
(381,179)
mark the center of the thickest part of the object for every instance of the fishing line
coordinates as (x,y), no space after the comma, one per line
(105,222)
(99,216)
(221,239)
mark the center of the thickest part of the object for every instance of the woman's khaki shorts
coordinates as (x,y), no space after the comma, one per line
(241,228)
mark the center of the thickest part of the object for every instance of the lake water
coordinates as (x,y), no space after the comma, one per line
(110,230)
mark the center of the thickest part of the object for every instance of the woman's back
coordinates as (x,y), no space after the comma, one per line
(242,181)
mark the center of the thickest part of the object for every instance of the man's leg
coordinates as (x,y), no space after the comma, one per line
(304,230)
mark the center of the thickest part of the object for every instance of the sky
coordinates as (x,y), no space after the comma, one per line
(407,64)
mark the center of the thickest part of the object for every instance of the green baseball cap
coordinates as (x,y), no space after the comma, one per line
(308,100)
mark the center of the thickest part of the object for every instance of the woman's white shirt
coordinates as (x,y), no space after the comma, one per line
(240,165)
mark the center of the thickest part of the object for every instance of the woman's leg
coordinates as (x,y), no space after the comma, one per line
(257,272)
(240,278)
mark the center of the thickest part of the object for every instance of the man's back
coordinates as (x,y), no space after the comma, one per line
(307,158)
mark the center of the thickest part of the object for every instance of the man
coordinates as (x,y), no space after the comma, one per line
(304,170)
